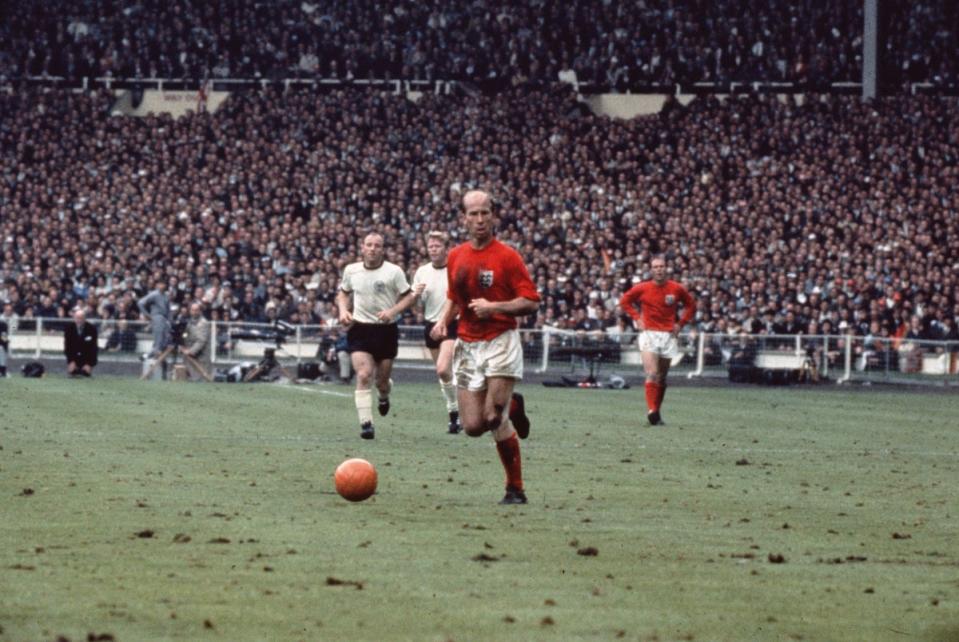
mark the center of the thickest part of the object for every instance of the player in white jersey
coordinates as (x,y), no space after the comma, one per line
(429,286)
(372,295)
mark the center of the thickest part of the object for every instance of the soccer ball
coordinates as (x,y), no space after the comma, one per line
(355,479)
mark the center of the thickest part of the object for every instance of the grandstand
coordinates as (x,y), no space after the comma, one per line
(778,209)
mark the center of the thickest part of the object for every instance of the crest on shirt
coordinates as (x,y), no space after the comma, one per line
(670,299)
(486,278)
(379,287)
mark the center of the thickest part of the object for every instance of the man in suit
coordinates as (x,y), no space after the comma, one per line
(80,345)
(4,346)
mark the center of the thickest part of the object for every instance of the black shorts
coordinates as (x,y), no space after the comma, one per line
(379,340)
(450,334)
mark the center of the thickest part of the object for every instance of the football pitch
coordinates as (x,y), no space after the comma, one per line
(175,511)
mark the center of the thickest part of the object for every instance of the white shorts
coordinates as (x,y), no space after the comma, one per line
(662,343)
(474,361)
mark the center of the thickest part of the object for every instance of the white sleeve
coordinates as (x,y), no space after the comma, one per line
(400,282)
(346,283)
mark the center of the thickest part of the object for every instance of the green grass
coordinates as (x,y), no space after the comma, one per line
(234,481)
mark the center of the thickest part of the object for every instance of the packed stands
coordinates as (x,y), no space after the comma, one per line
(778,213)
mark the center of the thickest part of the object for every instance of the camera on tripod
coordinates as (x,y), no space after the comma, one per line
(277,333)
(178,331)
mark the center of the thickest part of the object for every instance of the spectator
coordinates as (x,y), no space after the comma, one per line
(761,217)
(80,345)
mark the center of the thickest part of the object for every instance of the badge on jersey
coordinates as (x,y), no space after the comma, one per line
(670,299)
(379,287)
(486,278)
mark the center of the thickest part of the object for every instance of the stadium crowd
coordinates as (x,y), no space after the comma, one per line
(608,44)
(825,215)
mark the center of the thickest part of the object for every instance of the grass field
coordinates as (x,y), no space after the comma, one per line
(166,511)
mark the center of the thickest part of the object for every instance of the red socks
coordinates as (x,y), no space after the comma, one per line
(512,463)
(654,395)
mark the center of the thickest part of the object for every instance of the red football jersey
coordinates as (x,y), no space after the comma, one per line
(494,273)
(658,304)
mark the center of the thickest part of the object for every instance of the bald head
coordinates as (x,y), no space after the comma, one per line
(79,316)
(477,199)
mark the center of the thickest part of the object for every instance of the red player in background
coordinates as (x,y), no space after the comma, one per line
(658,300)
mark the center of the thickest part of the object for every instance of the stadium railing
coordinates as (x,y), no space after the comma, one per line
(573,354)
(446,85)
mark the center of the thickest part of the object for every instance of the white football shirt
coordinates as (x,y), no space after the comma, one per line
(434,296)
(373,290)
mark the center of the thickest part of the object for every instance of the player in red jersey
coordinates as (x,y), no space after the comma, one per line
(489,286)
(658,301)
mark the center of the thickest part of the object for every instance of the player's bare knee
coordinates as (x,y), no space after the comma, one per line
(475,429)
(494,419)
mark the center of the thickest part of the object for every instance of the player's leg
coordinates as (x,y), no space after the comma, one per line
(364,366)
(385,341)
(498,397)
(443,357)
(470,387)
(502,363)
(651,369)
(668,354)
(472,404)
(663,371)
(384,385)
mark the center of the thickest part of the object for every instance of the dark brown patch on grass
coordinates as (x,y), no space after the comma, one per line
(335,581)
(776,558)
(588,551)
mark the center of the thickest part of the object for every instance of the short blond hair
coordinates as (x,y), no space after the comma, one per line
(438,235)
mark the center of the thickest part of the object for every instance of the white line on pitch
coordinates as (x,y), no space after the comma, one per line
(319,391)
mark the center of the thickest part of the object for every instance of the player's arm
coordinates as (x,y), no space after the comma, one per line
(628,305)
(390,314)
(518,307)
(689,309)
(343,303)
(449,312)
(419,285)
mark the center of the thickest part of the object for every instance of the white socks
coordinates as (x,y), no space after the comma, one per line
(364,405)
(449,393)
